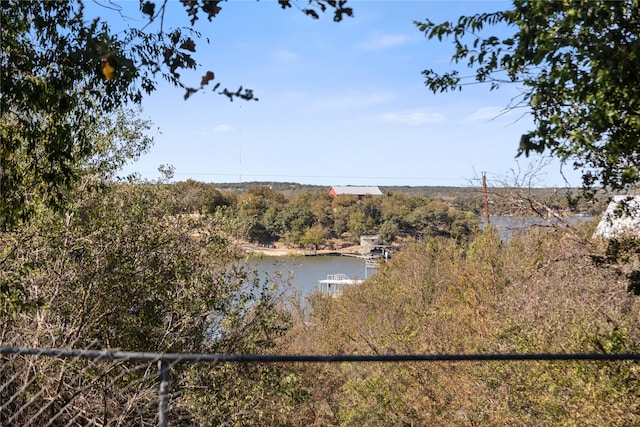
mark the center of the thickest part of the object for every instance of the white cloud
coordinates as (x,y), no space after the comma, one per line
(384,41)
(413,117)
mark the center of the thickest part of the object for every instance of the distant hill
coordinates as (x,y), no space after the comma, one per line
(287,188)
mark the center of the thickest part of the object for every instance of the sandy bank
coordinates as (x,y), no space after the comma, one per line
(283,251)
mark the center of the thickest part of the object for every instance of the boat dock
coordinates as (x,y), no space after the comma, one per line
(334,283)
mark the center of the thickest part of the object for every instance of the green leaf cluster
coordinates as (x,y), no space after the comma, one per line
(62,70)
(576,62)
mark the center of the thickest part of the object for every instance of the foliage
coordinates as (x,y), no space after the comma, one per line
(62,70)
(577,63)
(252,208)
(52,88)
(197,197)
(539,293)
(125,272)
(269,216)
(290,217)
(92,149)
(314,236)
(388,232)
(622,253)
(468,198)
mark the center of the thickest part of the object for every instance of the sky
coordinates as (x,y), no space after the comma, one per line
(339,103)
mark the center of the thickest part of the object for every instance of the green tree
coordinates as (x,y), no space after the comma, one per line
(256,209)
(259,198)
(198,197)
(314,236)
(358,225)
(389,231)
(319,204)
(292,217)
(127,273)
(577,63)
(59,66)
(95,147)
(396,207)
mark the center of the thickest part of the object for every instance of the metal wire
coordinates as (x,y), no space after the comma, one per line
(268,358)
(116,388)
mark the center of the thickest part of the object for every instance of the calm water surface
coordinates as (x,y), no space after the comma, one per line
(508,226)
(305,272)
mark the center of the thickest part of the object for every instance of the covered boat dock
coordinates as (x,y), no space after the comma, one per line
(334,284)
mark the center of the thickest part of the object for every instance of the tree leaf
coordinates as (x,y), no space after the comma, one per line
(148,8)
(189,45)
(107,69)
(207,78)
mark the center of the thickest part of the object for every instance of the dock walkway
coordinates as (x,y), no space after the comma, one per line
(334,284)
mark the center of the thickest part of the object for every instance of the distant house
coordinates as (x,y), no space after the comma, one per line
(354,191)
(622,218)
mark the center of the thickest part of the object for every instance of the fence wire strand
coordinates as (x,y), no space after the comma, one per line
(69,387)
(338,358)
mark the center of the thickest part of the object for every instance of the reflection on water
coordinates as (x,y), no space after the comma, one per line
(304,272)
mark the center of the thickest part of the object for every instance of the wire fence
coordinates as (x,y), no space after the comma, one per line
(47,387)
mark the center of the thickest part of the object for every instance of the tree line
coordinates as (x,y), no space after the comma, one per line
(266,216)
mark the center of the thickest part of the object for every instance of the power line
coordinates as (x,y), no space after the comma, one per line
(245,175)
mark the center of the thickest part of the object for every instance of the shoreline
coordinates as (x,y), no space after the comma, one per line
(352,251)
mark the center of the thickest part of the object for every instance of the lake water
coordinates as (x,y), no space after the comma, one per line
(305,272)
(509,226)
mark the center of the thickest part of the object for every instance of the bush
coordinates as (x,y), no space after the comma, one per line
(540,293)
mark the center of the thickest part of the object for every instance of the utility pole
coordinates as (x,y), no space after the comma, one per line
(486,203)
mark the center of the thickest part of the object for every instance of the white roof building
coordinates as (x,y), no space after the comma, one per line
(359,191)
(621,218)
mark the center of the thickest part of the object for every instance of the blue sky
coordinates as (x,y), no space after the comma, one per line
(339,103)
